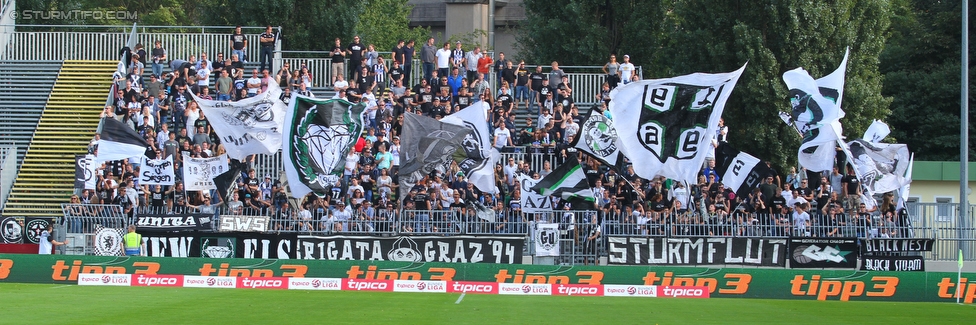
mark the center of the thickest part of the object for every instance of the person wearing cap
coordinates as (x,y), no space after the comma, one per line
(265,187)
(626,70)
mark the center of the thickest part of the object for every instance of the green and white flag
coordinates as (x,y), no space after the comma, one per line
(567,181)
(318,135)
(598,138)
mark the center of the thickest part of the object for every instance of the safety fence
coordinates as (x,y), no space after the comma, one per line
(583,234)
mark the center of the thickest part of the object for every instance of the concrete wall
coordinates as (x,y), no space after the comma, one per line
(928,191)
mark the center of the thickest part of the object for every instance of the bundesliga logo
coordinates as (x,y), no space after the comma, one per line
(631,290)
(316,283)
(526,289)
(106,279)
(211,282)
(421,286)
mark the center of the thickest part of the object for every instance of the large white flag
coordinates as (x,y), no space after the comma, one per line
(198,173)
(816,114)
(480,156)
(249,126)
(665,125)
(156,171)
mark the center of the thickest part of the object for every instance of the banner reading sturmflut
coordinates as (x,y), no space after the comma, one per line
(697,251)
(249,126)
(665,125)
(318,135)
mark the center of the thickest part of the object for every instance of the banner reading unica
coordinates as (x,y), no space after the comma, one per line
(474,277)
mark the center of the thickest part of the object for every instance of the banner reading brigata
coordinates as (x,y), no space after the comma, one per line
(697,251)
(455,249)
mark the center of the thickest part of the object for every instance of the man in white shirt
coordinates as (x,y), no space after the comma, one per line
(801,219)
(342,215)
(626,70)
(203,75)
(503,137)
(253,84)
(46,244)
(471,60)
(340,83)
(444,59)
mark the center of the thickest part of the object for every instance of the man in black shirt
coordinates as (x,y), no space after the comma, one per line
(535,84)
(851,187)
(238,43)
(338,60)
(408,53)
(355,51)
(268,39)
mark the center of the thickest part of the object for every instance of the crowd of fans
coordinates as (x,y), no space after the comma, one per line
(160,108)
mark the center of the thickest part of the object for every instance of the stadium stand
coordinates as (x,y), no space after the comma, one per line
(63,130)
(24,89)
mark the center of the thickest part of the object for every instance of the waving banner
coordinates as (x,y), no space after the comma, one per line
(479,157)
(249,126)
(198,173)
(666,124)
(319,134)
(156,171)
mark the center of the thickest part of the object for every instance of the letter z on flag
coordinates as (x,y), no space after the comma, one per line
(676,118)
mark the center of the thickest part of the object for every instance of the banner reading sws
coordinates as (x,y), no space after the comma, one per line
(726,283)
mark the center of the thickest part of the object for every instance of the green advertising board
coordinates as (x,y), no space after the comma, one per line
(722,282)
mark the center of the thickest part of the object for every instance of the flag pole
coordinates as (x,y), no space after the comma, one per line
(959,284)
(964,130)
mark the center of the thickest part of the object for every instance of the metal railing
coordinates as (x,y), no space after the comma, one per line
(83,221)
(105,45)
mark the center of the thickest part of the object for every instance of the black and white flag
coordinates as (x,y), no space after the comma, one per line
(117,141)
(740,171)
(480,156)
(198,173)
(598,138)
(530,201)
(881,167)
(156,171)
(85,177)
(665,125)
(428,146)
(249,126)
(816,114)
(318,135)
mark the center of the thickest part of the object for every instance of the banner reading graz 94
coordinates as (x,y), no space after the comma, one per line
(455,249)
(747,282)
(697,251)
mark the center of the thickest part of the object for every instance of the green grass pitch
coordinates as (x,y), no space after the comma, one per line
(71,304)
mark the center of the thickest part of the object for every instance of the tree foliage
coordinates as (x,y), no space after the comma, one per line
(678,37)
(384,22)
(586,32)
(921,65)
(306,24)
